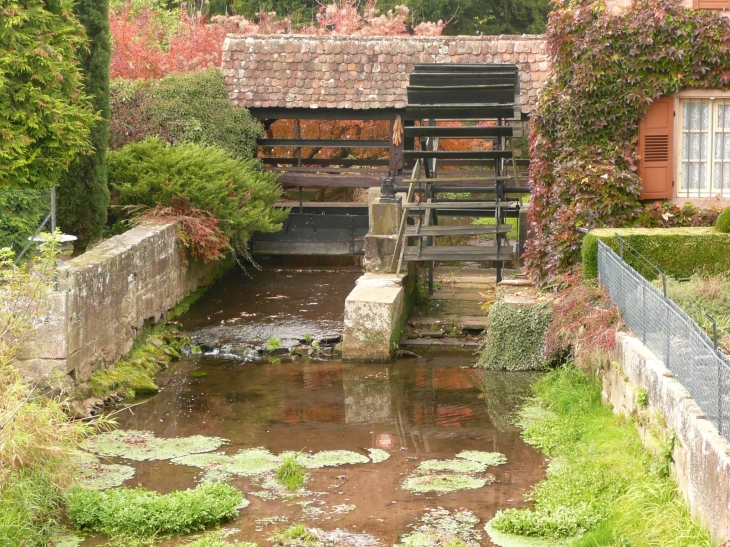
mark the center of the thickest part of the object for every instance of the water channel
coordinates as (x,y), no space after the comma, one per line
(428,408)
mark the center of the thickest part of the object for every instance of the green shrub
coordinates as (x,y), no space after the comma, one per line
(515,337)
(21,212)
(722,224)
(127,512)
(679,252)
(191,107)
(234,191)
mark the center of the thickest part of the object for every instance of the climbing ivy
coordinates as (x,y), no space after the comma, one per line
(608,67)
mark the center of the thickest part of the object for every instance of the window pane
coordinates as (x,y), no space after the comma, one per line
(684,175)
(722,175)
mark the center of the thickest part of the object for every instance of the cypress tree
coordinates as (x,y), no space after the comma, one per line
(83,195)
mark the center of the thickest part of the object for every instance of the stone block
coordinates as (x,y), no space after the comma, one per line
(384,218)
(373,315)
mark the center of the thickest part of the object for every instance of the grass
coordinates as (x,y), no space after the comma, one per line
(290,473)
(142,514)
(601,487)
(489,221)
(702,295)
(297,534)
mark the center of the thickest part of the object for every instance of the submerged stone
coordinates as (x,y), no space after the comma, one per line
(443,484)
(143,445)
(487,458)
(378,455)
(451,466)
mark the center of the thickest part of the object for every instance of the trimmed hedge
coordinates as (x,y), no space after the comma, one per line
(679,252)
(722,224)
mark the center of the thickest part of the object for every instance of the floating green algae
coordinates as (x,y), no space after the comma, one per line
(377,455)
(66,539)
(439,527)
(327,458)
(342,509)
(99,476)
(451,466)
(143,445)
(443,484)
(503,539)
(487,458)
(217,466)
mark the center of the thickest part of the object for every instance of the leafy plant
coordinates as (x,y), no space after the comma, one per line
(234,192)
(139,513)
(291,473)
(296,534)
(607,68)
(45,115)
(273,344)
(723,221)
(192,107)
(642,397)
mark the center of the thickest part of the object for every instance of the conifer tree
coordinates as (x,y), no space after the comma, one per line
(83,195)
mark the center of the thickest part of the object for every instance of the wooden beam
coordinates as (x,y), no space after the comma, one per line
(283,113)
(462,112)
(460,132)
(459,154)
(323,162)
(330,170)
(469,94)
(302,180)
(324,143)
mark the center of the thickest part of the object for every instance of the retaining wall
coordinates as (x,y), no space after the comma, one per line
(701,455)
(104,297)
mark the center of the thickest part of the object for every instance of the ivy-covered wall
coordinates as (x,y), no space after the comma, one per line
(607,68)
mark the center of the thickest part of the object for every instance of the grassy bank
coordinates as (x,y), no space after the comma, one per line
(602,487)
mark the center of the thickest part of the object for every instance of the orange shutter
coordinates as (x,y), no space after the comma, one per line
(711,4)
(656,149)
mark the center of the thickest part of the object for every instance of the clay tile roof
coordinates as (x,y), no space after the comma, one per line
(362,72)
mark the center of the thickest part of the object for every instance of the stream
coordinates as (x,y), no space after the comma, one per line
(413,410)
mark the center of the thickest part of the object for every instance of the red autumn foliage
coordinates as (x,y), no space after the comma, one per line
(148,45)
(585,322)
(197,230)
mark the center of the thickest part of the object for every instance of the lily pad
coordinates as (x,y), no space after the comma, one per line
(487,458)
(143,445)
(327,458)
(451,466)
(378,455)
(440,526)
(99,476)
(219,467)
(442,484)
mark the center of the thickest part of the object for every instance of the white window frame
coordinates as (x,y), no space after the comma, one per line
(715,97)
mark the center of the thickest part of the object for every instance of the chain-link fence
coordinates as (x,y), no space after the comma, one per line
(24,214)
(674,337)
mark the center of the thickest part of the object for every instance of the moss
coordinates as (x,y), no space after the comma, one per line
(98,476)
(678,252)
(442,484)
(504,539)
(515,337)
(487,458)
(722,224)
(143,445)
(451,466)
(328,458)
(378,455)
(440,527)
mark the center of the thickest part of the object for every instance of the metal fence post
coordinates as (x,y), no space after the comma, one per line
(53,209)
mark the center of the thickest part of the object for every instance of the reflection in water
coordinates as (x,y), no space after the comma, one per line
(432,407)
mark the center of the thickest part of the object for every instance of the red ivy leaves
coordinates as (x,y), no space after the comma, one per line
(606,70)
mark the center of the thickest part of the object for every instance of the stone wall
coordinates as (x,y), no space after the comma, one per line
(701,455)
(104,297)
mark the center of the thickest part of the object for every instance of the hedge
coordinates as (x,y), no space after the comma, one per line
(678,252)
